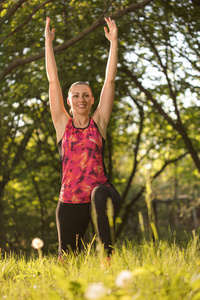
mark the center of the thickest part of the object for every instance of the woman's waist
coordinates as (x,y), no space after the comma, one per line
(90,176)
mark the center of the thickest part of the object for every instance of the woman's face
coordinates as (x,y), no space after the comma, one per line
(80,99)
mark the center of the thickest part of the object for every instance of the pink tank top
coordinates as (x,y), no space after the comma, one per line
(81,151)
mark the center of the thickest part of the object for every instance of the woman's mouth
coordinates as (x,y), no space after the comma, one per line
(81,105)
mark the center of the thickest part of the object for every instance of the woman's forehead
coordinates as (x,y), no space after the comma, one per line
(80,88)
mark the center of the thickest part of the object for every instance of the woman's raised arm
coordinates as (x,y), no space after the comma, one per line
(58,111)
(104,109)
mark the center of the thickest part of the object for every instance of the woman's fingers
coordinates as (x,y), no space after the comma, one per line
(105,30)
(47,21)
(110,34)
(113,22)
(47,25)
(110,23)
(50,34)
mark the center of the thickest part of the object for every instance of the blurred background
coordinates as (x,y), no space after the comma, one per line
(153,138)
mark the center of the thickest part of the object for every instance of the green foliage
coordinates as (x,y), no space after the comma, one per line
(161,271)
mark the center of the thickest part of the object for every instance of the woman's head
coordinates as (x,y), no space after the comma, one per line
(80,98)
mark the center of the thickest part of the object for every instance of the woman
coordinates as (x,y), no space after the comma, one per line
(81,142)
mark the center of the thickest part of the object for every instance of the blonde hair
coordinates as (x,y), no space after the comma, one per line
(79,83)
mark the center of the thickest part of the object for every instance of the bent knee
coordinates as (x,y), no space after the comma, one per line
(100,194)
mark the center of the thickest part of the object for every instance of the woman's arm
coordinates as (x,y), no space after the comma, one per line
(58,112)
(104,109)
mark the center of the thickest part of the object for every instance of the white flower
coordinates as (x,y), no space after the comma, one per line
(95,291)
(37,243)
(124,279)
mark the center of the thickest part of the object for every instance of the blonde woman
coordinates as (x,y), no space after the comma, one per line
(81,141)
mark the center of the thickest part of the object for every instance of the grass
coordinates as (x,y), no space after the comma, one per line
(158,271)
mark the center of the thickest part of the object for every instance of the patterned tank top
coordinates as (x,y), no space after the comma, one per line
(82,167)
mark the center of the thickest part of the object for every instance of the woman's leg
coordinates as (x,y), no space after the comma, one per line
(105,218)
(72,222)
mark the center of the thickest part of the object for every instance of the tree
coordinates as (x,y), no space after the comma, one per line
(162,72)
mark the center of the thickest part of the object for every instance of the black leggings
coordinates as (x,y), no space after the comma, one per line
(73,219)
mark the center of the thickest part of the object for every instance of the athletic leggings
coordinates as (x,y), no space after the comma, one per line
(73,219)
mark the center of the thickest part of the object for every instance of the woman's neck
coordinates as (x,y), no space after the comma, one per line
(81,121)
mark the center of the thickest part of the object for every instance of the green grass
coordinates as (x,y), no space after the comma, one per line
(159,271)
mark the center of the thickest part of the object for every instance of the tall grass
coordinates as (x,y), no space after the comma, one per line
(152,269)
(158,271)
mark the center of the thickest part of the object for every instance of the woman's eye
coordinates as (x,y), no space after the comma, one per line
(86,95)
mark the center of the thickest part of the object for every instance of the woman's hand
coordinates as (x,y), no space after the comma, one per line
(113,33)
(49,35)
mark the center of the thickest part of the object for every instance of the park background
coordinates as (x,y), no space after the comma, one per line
(152,151)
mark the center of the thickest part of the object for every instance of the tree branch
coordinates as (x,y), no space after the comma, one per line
(148,95)
(99,22)
(177,126)
(25,22)
(11,12)
(164,67)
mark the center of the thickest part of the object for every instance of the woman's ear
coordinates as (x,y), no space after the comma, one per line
(68,102)
(92,100)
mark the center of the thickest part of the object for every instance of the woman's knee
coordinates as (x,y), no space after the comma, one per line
(100,194)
